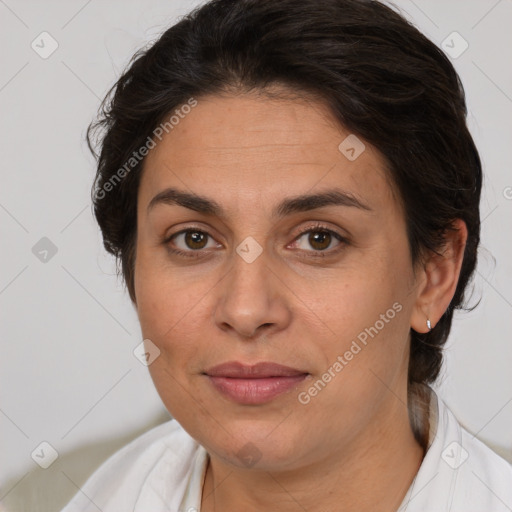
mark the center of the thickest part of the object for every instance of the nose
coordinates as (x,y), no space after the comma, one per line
(252,300)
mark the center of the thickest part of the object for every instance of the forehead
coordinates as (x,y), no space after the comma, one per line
(250,148)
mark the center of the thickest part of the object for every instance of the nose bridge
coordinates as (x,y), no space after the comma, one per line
(247,280)
(250,297)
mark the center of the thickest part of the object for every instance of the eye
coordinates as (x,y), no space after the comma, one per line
(191,240)
(319,239)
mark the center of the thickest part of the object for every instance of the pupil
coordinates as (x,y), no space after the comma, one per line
(320,239)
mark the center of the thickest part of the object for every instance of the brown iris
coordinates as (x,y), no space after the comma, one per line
(196,239)
(319,240)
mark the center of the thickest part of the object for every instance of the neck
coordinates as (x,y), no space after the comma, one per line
(373,473)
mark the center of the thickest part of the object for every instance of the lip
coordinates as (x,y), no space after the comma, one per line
(254,384)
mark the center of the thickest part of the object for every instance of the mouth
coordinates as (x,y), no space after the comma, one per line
(254,384)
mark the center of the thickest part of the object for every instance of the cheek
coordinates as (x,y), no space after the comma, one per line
(161,301)
(173,311)
(165,310)
(353,299)
(367,311)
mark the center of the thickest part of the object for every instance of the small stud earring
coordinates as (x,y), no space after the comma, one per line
(429,325)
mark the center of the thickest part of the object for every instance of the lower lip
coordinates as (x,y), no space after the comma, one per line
(255,391)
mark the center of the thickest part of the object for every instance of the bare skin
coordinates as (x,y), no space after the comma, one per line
(350,447)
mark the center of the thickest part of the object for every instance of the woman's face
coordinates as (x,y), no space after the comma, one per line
(292,251)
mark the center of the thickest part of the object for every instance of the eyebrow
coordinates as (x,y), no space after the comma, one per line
(297,204)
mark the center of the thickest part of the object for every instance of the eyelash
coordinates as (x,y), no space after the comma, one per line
(315,254)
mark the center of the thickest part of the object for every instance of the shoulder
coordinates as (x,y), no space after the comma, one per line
(480,476)
(459,473)
(486,472)
(164,454)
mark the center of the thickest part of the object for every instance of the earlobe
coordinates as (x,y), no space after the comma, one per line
(438,279)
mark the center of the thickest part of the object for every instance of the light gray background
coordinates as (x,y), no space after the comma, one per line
(68,375)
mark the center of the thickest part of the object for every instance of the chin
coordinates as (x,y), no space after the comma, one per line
(258,444)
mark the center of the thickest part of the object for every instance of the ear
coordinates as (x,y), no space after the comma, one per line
(438,278)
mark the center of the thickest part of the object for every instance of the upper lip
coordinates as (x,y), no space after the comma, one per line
(237,370)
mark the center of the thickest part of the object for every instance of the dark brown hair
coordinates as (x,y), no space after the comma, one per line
(381,78)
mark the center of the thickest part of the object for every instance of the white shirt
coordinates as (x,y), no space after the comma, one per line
(163,471)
